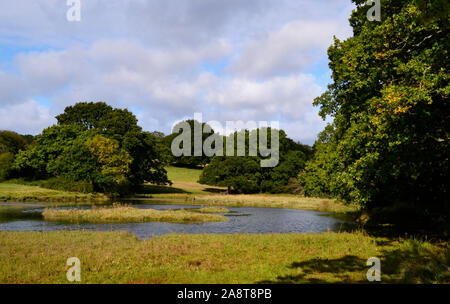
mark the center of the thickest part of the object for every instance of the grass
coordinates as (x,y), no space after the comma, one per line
(186,189)
(211,210)
(10,192)
(118,257)
(125,214)
(185,181)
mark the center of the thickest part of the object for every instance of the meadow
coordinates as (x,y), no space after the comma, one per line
(119,257)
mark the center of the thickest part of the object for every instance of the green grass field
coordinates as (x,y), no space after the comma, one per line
(118,257)
(186,189)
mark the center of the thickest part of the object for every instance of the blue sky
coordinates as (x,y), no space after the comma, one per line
(258,60)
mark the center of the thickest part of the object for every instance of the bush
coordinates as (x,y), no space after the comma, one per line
(6,161)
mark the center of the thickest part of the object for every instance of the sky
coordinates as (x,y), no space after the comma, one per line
(248,60)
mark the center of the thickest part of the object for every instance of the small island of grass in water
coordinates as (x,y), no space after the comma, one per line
(127,214)
(210,210)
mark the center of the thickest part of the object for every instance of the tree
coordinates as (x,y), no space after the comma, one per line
(121,126)
(388,143)
(11,142)
(96,143)
(6,162)
(244,174)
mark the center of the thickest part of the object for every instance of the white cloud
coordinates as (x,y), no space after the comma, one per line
(25,117)
(296,46)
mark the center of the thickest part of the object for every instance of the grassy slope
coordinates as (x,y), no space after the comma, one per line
(23,193)
(186,179)
(113,257)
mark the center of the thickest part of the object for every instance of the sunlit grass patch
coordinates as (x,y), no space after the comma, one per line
(125,214)
(24,193)
(262,201)
(118,257)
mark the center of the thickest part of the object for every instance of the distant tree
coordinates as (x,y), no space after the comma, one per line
(192,160)
(96,143)
(6,162)
(244,174)
(121,125)
(238,174)
(11,142)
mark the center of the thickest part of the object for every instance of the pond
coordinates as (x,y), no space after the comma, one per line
(27,217)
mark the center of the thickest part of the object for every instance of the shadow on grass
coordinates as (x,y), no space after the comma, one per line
(412,262)
(155,189)
(336,268)
(214,190)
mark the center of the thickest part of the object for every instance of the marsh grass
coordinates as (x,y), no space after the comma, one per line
(119,257)
(126,214)
(261,201)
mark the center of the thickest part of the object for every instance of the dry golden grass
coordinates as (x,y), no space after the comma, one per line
(122,214)
(211,210)
(261,200)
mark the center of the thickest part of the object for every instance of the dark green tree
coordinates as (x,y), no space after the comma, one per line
(244,174)
(389,141)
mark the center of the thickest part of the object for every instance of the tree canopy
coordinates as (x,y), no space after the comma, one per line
(389,140)
(96,143)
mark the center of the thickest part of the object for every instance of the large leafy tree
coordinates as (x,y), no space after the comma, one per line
(96,143)
(121,126)
(389,140)
(244,174)
(188,160)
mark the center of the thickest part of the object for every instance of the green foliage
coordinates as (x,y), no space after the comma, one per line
(244,174)
(240,174)
(97,144)
(389,98)
(187,161)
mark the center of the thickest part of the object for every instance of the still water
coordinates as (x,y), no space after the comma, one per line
(27,217)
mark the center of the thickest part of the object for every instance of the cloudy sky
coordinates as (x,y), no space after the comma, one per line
(259,60)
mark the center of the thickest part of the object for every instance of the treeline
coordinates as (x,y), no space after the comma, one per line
(97,148)
(10,144)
